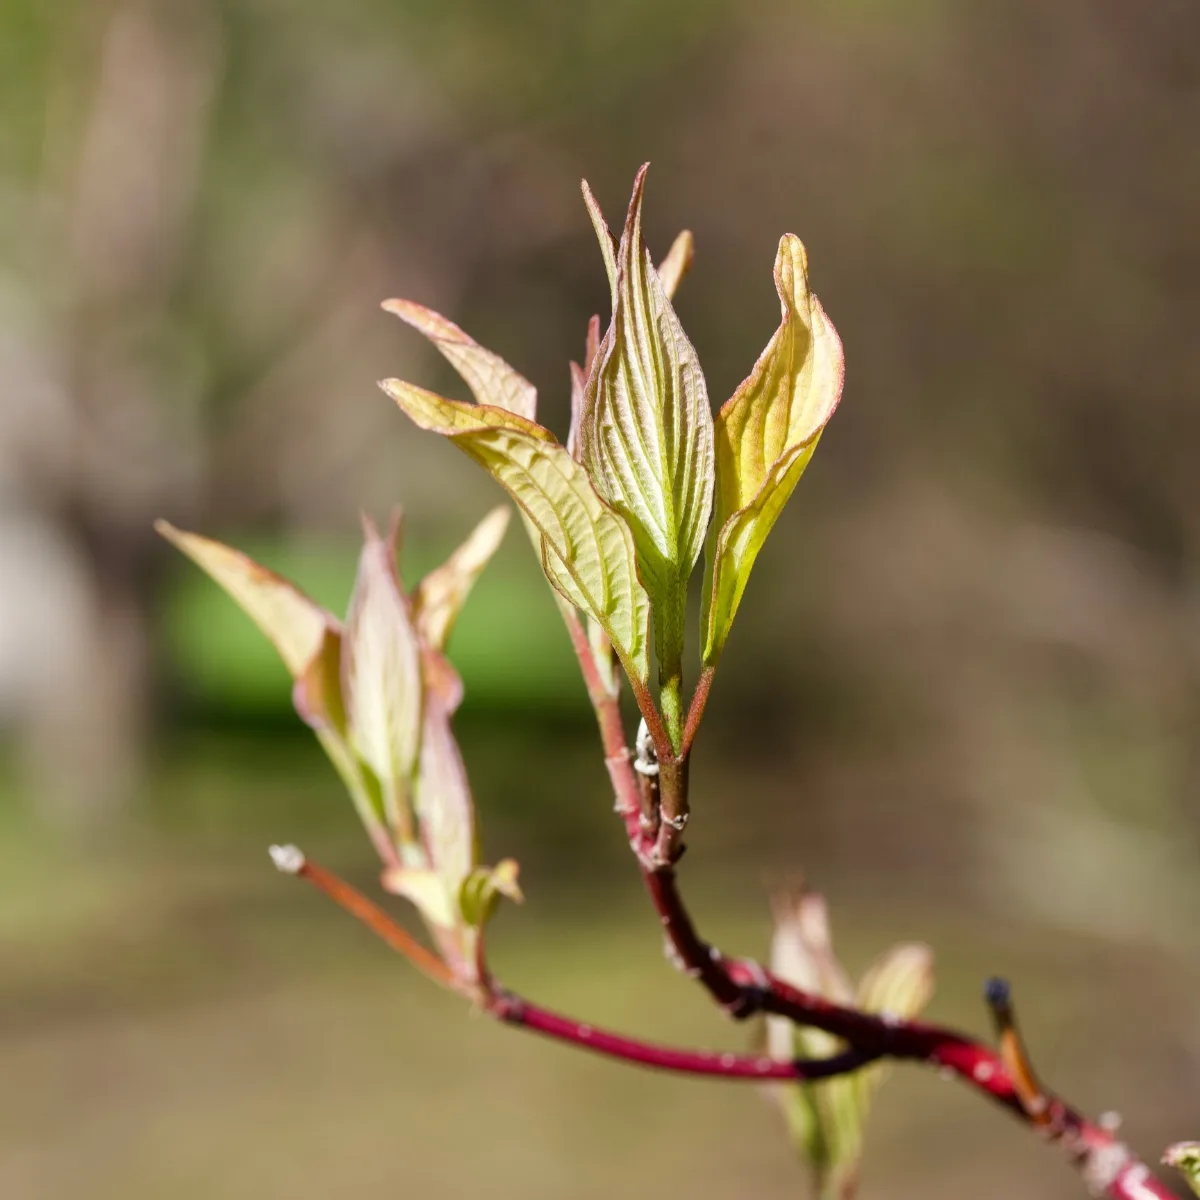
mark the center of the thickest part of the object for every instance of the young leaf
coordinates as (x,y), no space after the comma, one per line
(309,640)
(381,676)
(589,547)
(481,891)
(765,435)
(827,1118)
(491,380)
(647,435)
(295,625)
(441,594)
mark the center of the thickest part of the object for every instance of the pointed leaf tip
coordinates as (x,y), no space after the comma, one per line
(294,624)
(440,596)
(647,437)
(491,380)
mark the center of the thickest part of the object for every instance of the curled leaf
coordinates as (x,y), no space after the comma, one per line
(482,889)
(381,676)
(647,432)
(588,546)
(491,380)
(765,435)
(441,594)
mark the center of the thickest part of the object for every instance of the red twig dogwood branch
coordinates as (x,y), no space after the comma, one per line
(744,988)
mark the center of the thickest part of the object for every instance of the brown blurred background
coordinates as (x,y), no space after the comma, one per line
(964,688)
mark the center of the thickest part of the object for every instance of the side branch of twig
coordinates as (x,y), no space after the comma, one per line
(515,1010)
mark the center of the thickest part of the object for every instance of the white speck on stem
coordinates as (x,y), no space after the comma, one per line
(984,1071)
(727,1060)
(288,859)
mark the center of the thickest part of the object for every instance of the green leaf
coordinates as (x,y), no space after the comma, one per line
(765,435)
(441,594)
(491,380)
(589,547)
(1185,1158)
(647,431)
(381,676)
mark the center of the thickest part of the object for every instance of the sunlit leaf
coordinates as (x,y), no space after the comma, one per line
(441,594)
(491,380)
(647,437)
(765,435)
(381,675)
(589,546)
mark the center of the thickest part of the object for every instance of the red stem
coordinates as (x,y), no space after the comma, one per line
(514,1010)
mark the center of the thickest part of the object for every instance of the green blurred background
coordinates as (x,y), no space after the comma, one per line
(962,695)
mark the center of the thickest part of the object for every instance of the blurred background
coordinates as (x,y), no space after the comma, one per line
(963,693)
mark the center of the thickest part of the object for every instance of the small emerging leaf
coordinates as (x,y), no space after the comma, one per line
(827,1118)
(490,378)
(588,547)
(441,594)
(381,675)
(647,432)
(765,435)
(1185,1158)
(482,889)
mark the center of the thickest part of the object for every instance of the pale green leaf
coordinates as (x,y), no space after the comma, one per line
(1185,1157)
(295,625)
(589,546)
(765,435)
(441,594)
(381,675)
(491,380)
(647,430)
